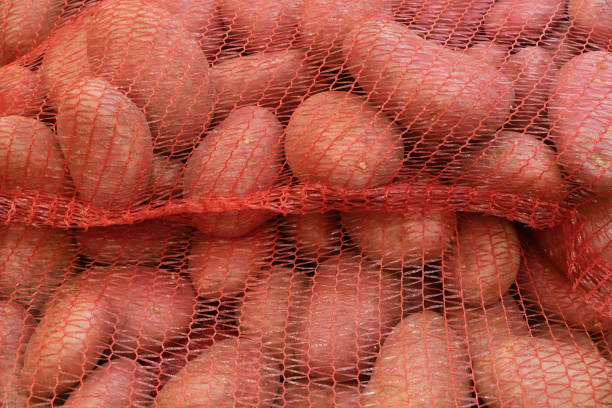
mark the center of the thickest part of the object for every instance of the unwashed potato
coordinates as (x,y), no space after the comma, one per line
(148,242)
(228,374)
(31,161)
(422,363)
(221,267)
(240,157)
(106,144)
(20,91)
(167,176)
(25,24)
(349,308)
(314,235)
(485,261)
(488,52)
(592,18)
(426,87)
(320,395)
(580,113)
(336,139)
(397,240)
(150,55)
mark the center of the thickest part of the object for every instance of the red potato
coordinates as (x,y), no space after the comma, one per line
(33,263)
(106,144)
(25,24)
(488,52)
(336,139)
(511,21)
(426,87)
(228,374)
(317,395)
(580,113)
(593,19)
(147,242)
(30,159)
(561,333)
(422,363)
(241,156)
(398,240)
(221,267)
(167,176)
(20,91)
(349,309)
(147,53)
(118,383)
(315,235)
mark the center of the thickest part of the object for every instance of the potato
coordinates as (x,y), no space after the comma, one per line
(240,157)
(592,18)
(535,372)
(485,261)
(426,87)
(261,24)
(148,242)
(220,267)
(580,113)
(315,235)
(34,262)
(336,139)
(31,161)
(398,240)
(118,383)
(422,363)
(277,80)
(70,338)
(144,51)
(20,91)
(488,52)
(558,332)
(167,176)
(349,309)
(510,21)
(228,374)
(106,144)
(25,24)
(317,395)
(514,162)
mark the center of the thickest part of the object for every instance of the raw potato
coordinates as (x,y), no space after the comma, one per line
(106,144)
(317,395)
(167,176)
(35,261)
(422,363)
(221,267)
(399,240)
(593,18)
(349,309)
(315,235)
(118,383)
(15,331)
(426,87)
(147,243)
(30,159)
(485,261)
(580,113)
(488,52)
(240,157)
(25,24)
(336,139)
(228,374)
(160,65)
(20,91)
(510,21)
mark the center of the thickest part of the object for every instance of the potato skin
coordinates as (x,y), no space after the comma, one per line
(240,157)
(20,91)
(315,235)
(336,139)
(106,144)
(424,86)
(422,363)
(317,395)
(488,52)
(592,18)
(580,111)
(167,179)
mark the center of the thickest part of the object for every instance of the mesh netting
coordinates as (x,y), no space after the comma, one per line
(306,203)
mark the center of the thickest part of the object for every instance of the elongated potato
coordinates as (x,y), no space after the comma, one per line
(160,65)
(398,240)
(426,87)
(106,144)
(20,91)
(314,235)
(485,261)
(31,161)
(336,139)
(228,374)
(592,18)
(220,267)
(241,156)
(25,24)
(422,363)
(317,395)
(580,112)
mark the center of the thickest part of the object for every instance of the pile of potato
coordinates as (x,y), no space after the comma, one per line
(215,111)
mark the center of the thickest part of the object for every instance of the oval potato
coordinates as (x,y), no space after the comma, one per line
(20,91)
(167,176)
(592,18)
(317,395)
(314,235)
(488,52)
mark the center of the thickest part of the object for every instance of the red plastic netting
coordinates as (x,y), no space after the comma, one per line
(379,203)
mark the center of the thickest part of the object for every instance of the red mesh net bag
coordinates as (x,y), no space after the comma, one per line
(306,203)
